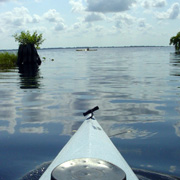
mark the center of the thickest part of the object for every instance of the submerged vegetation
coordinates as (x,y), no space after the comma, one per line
(25,38)
(7,60)
(175,40)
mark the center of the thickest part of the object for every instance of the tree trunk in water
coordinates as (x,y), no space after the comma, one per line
(27,55)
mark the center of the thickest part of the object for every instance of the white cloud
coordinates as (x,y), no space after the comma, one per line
(94,17)
(77,6)
(1,30)
(124,23)
(53,16)
(143,25)
(146,4)
(4,1)
(161,16)
(17,20)
(36,18)
(60,26)
(159,3)
(172,13)
(122,20)
(76,26)
(20,19)
(154,3)
(17,17)
(99,29)
(107,6)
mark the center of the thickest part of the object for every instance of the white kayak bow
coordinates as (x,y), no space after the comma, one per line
(89,155)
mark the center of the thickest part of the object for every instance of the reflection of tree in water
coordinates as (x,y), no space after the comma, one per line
(29,75)
(175,62)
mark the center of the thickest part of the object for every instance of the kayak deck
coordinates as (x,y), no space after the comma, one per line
(90,141)
(88,169)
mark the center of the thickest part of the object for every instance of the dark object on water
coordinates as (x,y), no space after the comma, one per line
(86,49)
(27,55)
(29,76)
(28,63)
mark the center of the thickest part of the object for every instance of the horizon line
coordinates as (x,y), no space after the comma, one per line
(77,47)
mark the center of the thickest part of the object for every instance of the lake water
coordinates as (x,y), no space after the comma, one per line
(136,88)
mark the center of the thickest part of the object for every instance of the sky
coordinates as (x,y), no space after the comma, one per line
(77,23)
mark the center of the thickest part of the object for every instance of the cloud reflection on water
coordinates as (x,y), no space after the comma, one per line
(33,130)
(137,97)
(177,128)
(7,111)
(127,132)
(125,91)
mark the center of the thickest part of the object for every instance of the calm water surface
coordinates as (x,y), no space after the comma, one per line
(137,90)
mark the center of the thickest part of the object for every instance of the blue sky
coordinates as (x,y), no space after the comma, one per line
(71,23)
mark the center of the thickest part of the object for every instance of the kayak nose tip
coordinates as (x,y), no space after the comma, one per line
(91,112)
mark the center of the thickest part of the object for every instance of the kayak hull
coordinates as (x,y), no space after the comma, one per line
(90,141)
